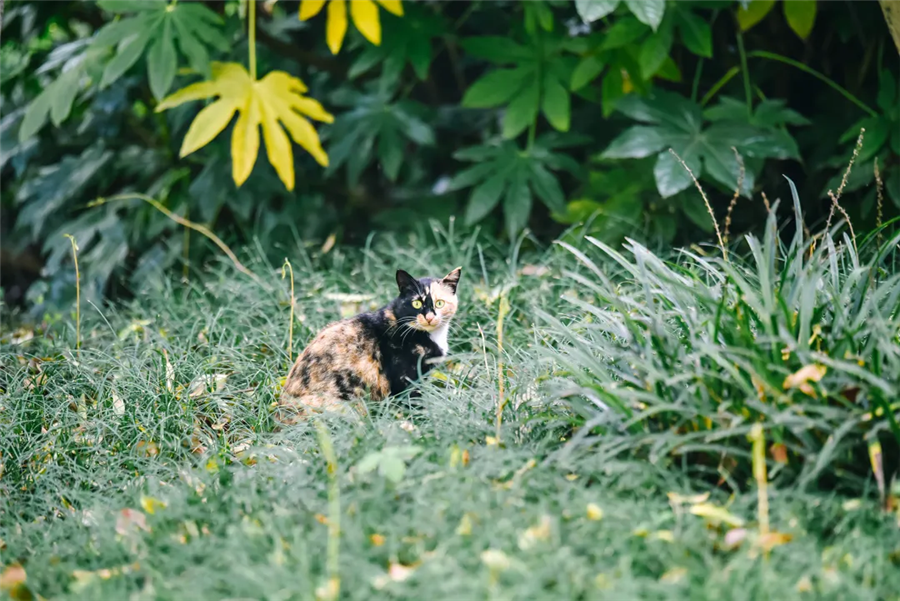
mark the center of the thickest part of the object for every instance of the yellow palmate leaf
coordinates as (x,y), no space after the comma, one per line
(365,17)
(310,8)
(274,102)
(278,147)
(337,25)
(208,124)
(245,141)
(392,6)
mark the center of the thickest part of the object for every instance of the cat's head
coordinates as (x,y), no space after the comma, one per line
(427,303)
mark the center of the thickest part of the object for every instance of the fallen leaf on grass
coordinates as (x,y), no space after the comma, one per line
(147,448)
(539,532)
(716,514)
(679,499)
(150,505)
(12,577)
(770,540)
(208,383)
(594,512)
(804,585)
(396,573)
(465,525)
(734,537)
(377,540)
(131,520)
(779,453)
(673,576)
(801,378)
(495,560)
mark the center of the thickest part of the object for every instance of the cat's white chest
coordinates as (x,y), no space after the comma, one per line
(439,337)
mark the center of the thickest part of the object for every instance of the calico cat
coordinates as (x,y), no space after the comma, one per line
(376,354)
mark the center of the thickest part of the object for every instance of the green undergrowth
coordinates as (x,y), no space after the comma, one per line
(146,465)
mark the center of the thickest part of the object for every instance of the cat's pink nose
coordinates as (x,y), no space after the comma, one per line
(429,317)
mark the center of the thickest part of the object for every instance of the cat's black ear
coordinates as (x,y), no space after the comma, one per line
(451,280)
(406,282)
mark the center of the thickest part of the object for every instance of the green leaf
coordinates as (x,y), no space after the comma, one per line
(547,187)
(695,209)
(496,49)
(720,164)
(419,54)
(485,197)
(754,13)
(113,33)
(649,12)
(471,175)
(895,141)
(622,33)
(517,202)
(392,468)
(664,107)
(522,111)
(892,185)
(36,115)
(877,131)
(635,143)
(671,176)
(887,91)
(654,52)
(695,33)
(592,10)
(191,48)
(496,88)
(130,6)
(800,15)
(611,91)
(751,141)
(587,70)
(369,463)
(669,71)
(161,62)
(64,90)
(390,152)
(555,103)
(126,56)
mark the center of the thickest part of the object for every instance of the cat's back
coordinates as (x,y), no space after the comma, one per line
(342,362)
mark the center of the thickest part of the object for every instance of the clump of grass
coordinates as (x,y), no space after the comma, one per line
(689,353)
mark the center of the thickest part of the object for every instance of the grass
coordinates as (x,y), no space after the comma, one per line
(148,466)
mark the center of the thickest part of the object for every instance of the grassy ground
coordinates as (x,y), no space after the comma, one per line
(147,465)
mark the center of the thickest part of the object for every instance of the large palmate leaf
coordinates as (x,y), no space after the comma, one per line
(274,102)
(406,41)
(156,28)
(505,172)
(674,122)
(539,81)
(363,12)
(375,122)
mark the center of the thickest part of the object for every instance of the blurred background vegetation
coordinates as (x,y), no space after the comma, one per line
(504,115)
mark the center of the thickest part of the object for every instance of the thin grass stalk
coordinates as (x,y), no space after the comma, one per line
(712,215)
(737,191)
(879,188)
(837,197)
(758,438)
(501,397)
(332,588)
(77,292)
(287,264)
(180,221)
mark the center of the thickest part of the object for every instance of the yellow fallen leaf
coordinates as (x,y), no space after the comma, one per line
(465,526)
(665,535)
(539,532)
(495,560)
(12,577)
(804,585)
(716,514)
(131,520)
(680,499)
(674,575)
(276,101)
(377,540)
(802,377)
(150,505)
(363,12)
(770,540)
(594,512)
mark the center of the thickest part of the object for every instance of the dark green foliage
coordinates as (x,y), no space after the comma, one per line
(80,83)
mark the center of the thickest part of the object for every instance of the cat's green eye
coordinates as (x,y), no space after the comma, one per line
(439,304)
(417,304)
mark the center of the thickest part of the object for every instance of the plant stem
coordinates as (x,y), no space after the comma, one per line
(719,84)
(745,72)
(252,33)
(816,74)
(287,264)
(77,292)
(696,85)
